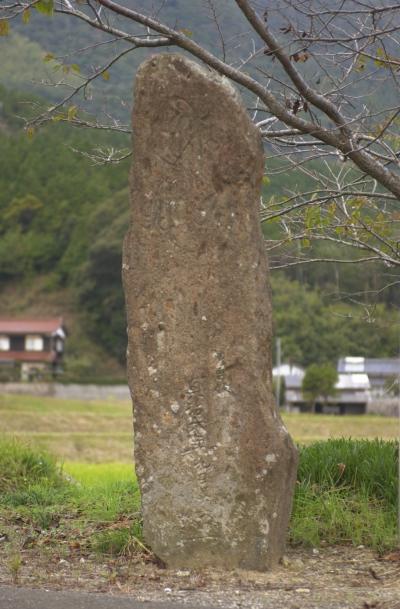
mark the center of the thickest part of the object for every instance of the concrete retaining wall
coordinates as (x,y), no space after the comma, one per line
(69,392)
(387,407)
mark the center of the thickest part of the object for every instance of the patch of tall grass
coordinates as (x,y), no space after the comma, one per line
(126,540)
(22,466)
(347,491)
(86,496)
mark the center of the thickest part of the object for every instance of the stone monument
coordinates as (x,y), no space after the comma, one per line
(215,464)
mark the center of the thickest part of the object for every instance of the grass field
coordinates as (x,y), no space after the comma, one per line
(346,490)
(99,432)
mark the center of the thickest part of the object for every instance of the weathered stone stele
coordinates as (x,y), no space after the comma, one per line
(215,463)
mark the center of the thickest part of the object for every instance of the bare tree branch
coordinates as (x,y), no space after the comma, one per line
(312,73)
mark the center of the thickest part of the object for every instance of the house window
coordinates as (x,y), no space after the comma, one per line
(33,343)
(4,343)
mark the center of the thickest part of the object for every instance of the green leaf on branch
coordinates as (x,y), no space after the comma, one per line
(332,210)
(358,202)
(306,242)
(46,7)
(75,68)
(266,181)
(186,32)
(72,112)
(361,62)
(26,15)
(4,27)
(105,75)
(30,132)
(385,60)
(48,57)
(312,217)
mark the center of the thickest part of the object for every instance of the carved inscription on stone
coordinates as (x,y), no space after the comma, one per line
(215,464)
(195,411)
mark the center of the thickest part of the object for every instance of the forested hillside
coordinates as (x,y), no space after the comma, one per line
(40,53)
(63,218)
(60,49)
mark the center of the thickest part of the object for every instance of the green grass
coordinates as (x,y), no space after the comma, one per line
(346,493)
(93,503)
(100,474)
(123,540)
(22,467)
(365,466)
(106,491)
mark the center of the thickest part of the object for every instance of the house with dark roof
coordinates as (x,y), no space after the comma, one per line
(382,372)
(352,392)
(35,346)
(351,395)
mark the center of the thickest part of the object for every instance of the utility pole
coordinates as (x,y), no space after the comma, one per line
(278,378)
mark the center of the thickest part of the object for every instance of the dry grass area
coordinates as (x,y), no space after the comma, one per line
(101,431)
(307,428)
(72,430)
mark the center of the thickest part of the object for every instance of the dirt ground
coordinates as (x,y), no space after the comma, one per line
(328,578)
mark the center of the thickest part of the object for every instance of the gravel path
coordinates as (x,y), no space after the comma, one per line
(329,578)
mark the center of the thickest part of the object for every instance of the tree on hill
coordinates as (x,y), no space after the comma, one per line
(309,72)
(319,382)
(22,212)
